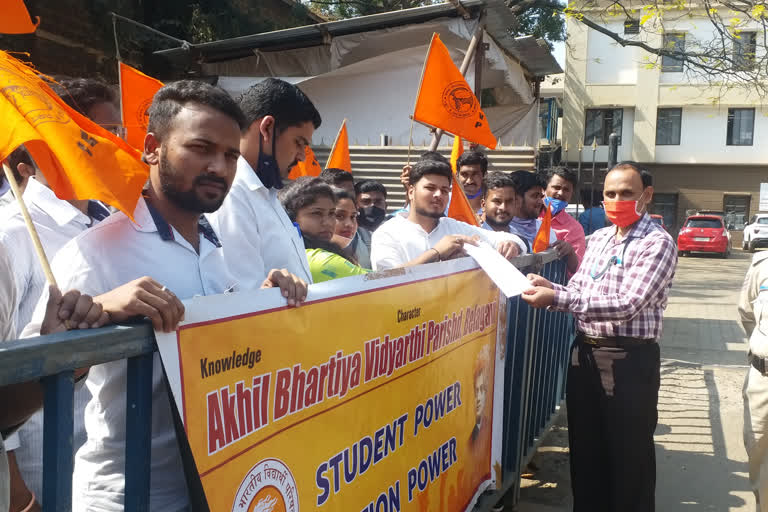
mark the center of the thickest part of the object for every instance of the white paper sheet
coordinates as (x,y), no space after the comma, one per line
(507,277)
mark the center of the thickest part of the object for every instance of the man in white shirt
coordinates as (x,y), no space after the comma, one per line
(19,401)
(256,233)
(192,148)
(423,234)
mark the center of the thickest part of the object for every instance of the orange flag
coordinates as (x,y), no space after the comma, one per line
(446,101)
(459,207)
(456,152)
(309,167)
(79,159)
(136,93)
(541,242)
(339,157)
(15,18)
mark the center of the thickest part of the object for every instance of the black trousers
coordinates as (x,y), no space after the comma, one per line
(612,398)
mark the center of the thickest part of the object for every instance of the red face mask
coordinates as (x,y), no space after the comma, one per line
(622,213)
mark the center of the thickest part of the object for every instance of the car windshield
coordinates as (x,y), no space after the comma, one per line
(704,223)
(762,220)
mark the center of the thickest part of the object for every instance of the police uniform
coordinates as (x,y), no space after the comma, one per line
(753,309)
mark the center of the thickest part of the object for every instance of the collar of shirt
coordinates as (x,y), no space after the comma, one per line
(149,220)
(248,174)
(59,210)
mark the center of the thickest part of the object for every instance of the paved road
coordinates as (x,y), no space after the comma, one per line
(699,451)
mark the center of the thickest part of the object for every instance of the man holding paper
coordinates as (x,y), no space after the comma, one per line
(618,297)
(423,234)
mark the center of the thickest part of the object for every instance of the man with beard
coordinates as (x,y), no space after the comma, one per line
(256,232)
(423,234)
(499,201)
(472,167)
(529,204)
(192,147)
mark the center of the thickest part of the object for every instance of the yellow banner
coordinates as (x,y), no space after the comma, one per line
(365,399)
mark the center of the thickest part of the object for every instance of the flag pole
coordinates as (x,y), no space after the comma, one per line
(333,148)
(30,226)
(418,93)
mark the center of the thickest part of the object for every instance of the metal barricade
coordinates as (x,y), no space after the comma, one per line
(537,350)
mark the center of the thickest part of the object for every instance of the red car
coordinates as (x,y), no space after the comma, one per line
(704,233)
(658,219)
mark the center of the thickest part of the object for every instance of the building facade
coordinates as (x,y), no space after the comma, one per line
(701,143)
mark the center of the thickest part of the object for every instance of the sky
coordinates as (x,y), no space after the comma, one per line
(559,53)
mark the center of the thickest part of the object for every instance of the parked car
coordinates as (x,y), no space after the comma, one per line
(756,232)
(704,233)
(658,219)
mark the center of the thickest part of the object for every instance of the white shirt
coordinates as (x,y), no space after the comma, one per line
(398,241)
(104,257)
(56,222)
(7,332)
(256,233)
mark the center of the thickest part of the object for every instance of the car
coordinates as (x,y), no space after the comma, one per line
(704,233)
(756,232)
(658,219)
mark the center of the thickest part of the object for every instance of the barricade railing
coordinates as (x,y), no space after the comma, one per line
(536,362)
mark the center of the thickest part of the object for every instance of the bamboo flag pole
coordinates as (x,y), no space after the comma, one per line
(333,148)
(30,226)
(416,101)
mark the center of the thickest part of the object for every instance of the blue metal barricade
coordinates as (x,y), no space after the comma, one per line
(537,349)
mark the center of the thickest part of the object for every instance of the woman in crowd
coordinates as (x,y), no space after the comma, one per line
(347,234)
(311,205)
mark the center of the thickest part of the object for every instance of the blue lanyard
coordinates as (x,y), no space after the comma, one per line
(613,260)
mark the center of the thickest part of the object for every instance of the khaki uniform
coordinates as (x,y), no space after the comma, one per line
(753,309)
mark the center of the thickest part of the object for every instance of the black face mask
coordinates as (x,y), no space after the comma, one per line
(267,169)
(371,217)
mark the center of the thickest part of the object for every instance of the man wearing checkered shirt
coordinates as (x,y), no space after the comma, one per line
(617,297)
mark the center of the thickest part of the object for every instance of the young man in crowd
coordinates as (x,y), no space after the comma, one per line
(499,203)
(56,222)
(472,167)
(593,217)
(617,296)
(192,147)
(371,204)
(338,178)
(423,234)
(571,242)
(256,231)
(525,223)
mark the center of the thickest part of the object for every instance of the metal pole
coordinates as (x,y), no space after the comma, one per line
(578,177)
(613,150)
(592,184)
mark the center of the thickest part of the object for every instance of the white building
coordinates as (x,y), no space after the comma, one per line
(701,143)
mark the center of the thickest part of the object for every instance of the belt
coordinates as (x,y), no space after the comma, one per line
(757,362)
(614,341)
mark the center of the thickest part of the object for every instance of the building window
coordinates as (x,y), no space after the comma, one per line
(632,26)
(668,124)
(744,49)
(673,42)
(601,123)
(736,209)
(741,126)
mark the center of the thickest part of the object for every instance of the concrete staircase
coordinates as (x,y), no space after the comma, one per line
(384,164)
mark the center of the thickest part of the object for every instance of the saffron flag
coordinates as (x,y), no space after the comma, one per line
(459,207)
(541,242)
(79,159)
(446,101)
(339,157)
(15,18)
(309,167)
(458,149)
(136,93)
